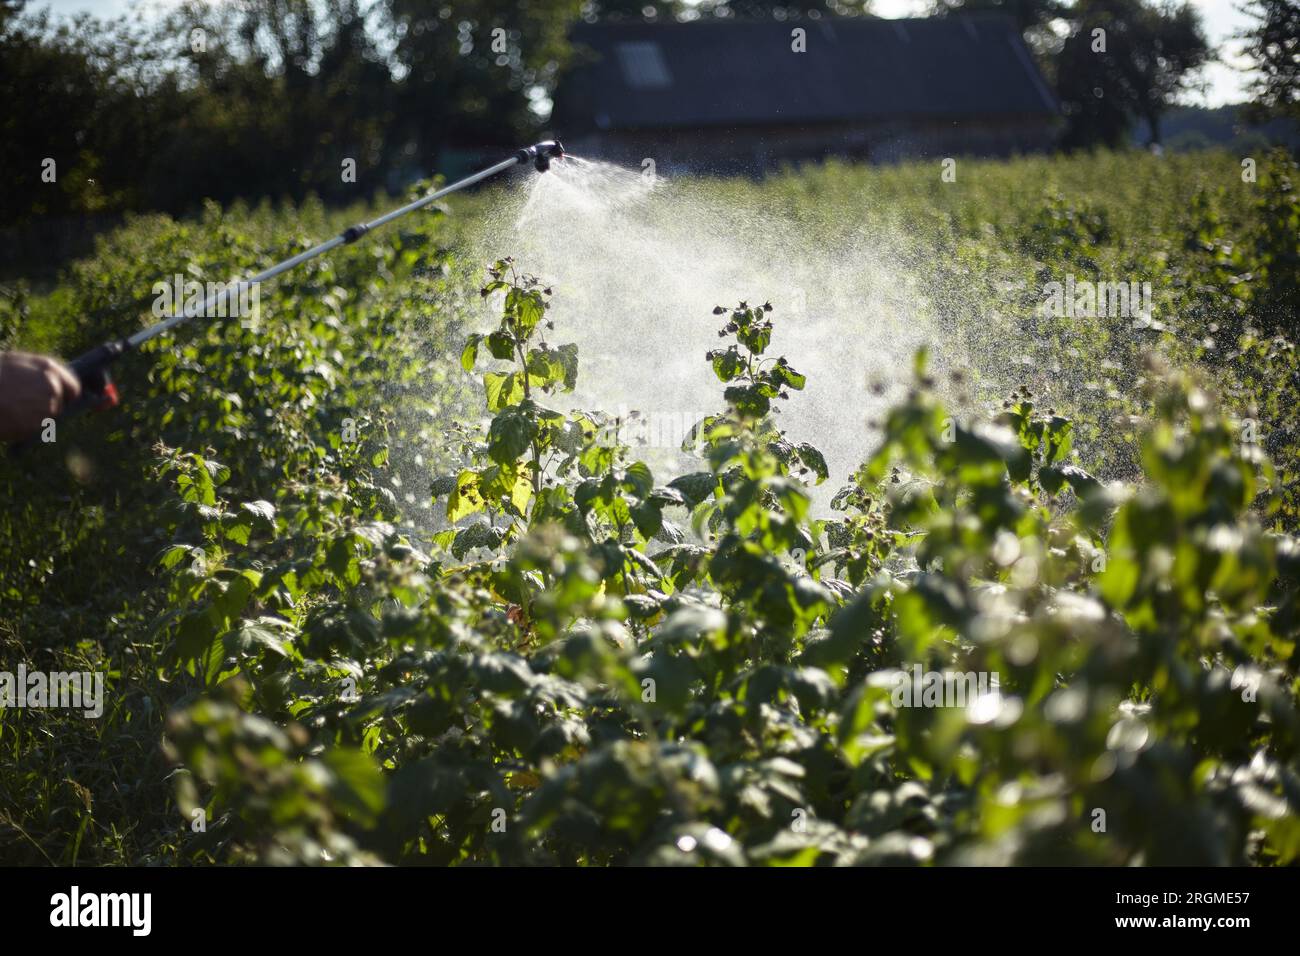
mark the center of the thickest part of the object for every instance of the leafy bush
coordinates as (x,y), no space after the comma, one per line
(597,686)
(564,660)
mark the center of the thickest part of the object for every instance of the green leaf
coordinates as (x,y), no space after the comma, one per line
(597,459)
(1051,477)
(648,518)
(696,486)
(341,559)
(469,354)
(195,632)
(524,308)
(465,499)
(756,337)
(237,527)
(175,554)
(254,636)
(783,374)
(727,365)
(638,479)
(569,360)
(511,432)
(749,400)
(501,345)
(357,786)
(1060,439)
(813,459)
(480,534)
(503,390)
(261,510)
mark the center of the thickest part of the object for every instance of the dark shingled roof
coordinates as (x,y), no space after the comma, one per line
(733,73)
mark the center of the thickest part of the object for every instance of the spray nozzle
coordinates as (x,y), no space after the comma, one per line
(541,154)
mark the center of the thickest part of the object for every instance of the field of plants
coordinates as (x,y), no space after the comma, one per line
(362,595)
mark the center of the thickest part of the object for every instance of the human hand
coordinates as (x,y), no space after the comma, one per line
(32,389)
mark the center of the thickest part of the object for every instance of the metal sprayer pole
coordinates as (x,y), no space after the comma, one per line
(92,368)
(351,234)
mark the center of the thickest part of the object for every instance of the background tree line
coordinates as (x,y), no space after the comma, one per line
(254,98)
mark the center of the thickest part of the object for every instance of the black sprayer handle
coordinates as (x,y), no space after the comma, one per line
(91,368)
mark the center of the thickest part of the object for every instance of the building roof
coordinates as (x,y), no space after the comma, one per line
(733,73)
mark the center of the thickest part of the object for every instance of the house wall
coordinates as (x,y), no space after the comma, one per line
(754,149)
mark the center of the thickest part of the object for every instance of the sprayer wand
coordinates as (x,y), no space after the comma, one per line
(92,368)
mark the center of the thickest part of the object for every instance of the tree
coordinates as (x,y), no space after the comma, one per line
(252,98)
(1126,60)
(83,106)
(647,10)
(477,76)
(1027,13)
(1090,87)
(1034,18)
(1273,46)
(1168,48)
(281,92)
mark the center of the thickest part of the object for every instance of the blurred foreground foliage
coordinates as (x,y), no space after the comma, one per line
(597,686)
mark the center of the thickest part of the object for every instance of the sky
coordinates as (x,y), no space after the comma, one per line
(1224,83)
